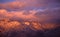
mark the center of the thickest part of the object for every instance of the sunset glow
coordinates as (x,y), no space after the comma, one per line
(29,18)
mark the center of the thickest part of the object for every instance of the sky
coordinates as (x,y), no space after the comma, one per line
(36,9)
(18,14)
(30,4)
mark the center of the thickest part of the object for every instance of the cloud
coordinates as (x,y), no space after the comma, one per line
(29,4)
(46,14)
(41,15)
(29,17)
(9,25)
(45,17)
(16,5)
(29,22)
(13,5)
(17,14)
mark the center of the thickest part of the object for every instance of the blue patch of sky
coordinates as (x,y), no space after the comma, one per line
(4,1)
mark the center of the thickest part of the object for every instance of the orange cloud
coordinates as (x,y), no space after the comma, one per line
(8,25)
(28,20)
(36,26)
(13,5)
(18,14)
(19,5)
(49,26)
(27,23)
